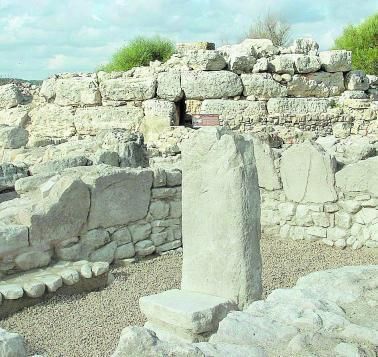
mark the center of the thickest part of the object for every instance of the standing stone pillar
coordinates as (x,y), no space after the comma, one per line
(221,234)
(221,217)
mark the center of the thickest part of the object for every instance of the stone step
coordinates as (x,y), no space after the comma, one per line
(27,289)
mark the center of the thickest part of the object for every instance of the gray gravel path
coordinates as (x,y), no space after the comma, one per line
(89,325)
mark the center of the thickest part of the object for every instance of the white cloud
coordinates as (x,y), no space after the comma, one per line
(49,36)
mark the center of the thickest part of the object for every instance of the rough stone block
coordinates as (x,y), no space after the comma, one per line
(336,60)
(297,106)
(262,86)
(10,96)
(169,86)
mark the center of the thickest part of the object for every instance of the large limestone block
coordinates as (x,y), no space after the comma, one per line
(266,171)
(205,60)
(211,84)
(52,121)
(336,60)
(262,86)
(308,174)
(77,91)
(319,84)
(306,64)
(357,80)
(14,117)
(52,167)
(128,88)
(89,121)
(282,64)
(12,238)
(240,57)
(260,47)
(359,177)
(118,196)
(11,344)
(13,137)
(234,112)
(169,86)
(159,116)
(221,211)
(10,96)
(188,310)
(61,213)
(306,46)
(297,105)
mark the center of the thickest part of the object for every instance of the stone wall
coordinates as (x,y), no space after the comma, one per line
(97,213)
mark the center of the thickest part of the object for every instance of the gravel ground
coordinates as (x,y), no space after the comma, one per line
(89,325)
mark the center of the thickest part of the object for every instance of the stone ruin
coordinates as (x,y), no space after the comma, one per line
(114,140)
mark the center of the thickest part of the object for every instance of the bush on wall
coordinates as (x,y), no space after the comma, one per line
(139,52)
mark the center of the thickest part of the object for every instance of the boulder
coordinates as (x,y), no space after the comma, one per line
(260,47)
(306,63)
(336,60)
(77,91)
(11,344)
(128,88)
(10,96)
(169,86)
(359,177)
(240,57)
(282,64)
(17,116)
(205,60)
(308,174)
(219,176)
(357,80)
(297,106)
(89,121)
(31,260)
(13,238)
(262,86)
(211,84)
(13,137)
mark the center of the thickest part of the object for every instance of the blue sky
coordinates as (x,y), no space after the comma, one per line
(42,37)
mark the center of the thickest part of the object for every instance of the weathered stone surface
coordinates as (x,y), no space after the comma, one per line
(57,166)
(306,64)
(216,84)
(11,291)
(122,236)
(359,177)
(336,60)
(128,88)
(9,174)
(307,174)
(306,46)
(297,105)
(261,65)
(192,311)
(11,344)
(240,57)
(124,251)
(12,238)
(104,254)
(100,268)
(32,260)
(357,80)
(205,60)
(144,248)
(260,47)
(12,137)
(55,217)
(262,86)
(184,47)
(169,86)
(319,84)
(77,91)
(88,121)
(282,64)
(215,161)
(10,96)
(51,121)
(118,196)
(17,116)
(34,289)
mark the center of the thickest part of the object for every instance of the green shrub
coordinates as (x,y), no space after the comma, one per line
(139,52)
(362,40)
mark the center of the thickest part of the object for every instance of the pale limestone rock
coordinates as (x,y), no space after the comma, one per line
(286,210)
(205,60)
(10,174)
(140,231)
(17,116)
(282,64)
(357,80)
(11,344)
(211,84)
(11,291)
(12,137)
(122,236)
(128,88)
(169,246)
(53,282)
(262,86)
(340,243)
(217,161)
(12,238)
(77,91)
(336,60)
(138,341)
(48,88)
(359,177)
(169,86)
(88,121)
(240,57)
(99,268)
(69,276)
(55,218)
(306,46)
(319,84)
(260,47)
(343,220)
(174,177)
(307,174)
(104,254)
(124,251)
(92,240)
(160,177)
(366,215)
(336,233)
(159,238)
(86,271)
(192,311)
(317,232)
(10,96)
(306,63)
(297,105)
(341,130)
(350,206)
(261,65)
(159,209)
(144,248)
(175,209)
(34,289)
(32,260)
(118,196)
(321,219)
(51,167)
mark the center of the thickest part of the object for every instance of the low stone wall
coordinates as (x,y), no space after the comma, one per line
(99,213)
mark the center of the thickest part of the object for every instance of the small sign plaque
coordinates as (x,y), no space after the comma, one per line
(200,120)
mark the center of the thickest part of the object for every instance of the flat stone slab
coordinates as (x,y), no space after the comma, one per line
(187,310)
